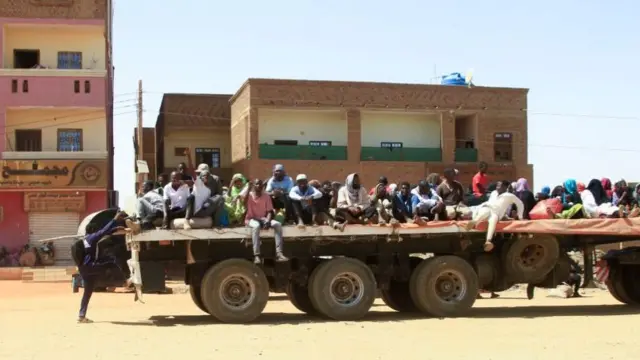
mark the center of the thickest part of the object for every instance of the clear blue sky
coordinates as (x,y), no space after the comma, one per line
(579,58)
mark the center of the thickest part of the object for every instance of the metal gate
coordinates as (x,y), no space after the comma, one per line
(48,225)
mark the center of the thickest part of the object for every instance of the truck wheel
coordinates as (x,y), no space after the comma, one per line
(485,266)
(196,296)
(445,286)
(616,287)
(398,296)
(235,291)
(342,289)
(299,297)
(530,259)
(630,285)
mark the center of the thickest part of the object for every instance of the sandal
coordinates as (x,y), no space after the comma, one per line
(84,320)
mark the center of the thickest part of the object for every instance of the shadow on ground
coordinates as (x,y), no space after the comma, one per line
(531,312)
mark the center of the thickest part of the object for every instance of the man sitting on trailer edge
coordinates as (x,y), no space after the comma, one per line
(175,198)
(259,216)
(304,201)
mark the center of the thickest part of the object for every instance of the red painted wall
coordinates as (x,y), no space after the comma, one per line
(14,227)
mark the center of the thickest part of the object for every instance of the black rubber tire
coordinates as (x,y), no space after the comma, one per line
(196,296)
(320,290)
(214,279)
(299,297)
(398,296)
(630,284)
(616,287)
(519,270)
(484,266)
(424,286)
(557,276)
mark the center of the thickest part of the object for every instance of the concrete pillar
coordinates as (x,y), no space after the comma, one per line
(448,131)
(354,135)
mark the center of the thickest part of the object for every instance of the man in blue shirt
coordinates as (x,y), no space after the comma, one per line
(304,200)
(404,204)
(91,265)
(278,187)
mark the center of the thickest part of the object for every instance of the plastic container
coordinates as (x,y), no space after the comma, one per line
(455,79)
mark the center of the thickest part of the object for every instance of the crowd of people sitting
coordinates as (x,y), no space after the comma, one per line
(281,200)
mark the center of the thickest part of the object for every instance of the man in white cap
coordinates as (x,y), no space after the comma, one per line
(206,199)
(303,200)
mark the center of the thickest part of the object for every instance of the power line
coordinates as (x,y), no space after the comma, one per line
(55,118)
(76,121)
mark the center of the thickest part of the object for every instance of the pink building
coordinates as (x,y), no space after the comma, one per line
(56,117)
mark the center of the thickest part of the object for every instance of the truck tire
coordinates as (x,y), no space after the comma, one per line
(299,297)
(630,285)
(530,259)
(485,266)
(342,289)
(557,276)
(398,296)
(445,286)
(616,287)
(235,291)
(196,296)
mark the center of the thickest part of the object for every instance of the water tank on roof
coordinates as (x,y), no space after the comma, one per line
(456,79)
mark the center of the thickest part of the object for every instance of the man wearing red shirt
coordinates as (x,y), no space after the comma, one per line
(480,181)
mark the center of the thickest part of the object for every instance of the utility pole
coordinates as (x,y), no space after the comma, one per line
(140,177)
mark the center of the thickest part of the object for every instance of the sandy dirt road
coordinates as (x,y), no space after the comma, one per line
(38,321)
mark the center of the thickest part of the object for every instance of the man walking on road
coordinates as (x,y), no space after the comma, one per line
(91,266)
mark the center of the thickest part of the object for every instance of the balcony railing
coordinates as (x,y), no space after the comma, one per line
(401,154)
(466,155)
(54,155)
(52,91)
(302,152)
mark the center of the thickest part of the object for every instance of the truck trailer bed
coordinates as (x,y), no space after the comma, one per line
(598,227)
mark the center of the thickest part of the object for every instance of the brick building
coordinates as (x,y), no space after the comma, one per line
(328,129)
(56,115)
(200,122)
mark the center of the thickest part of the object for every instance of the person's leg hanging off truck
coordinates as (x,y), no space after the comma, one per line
(485,213)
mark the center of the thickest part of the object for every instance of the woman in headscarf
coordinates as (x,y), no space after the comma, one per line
(523,193)
(606,185)
(571,201)
(544,193)
(625,200)
(233,204)
(595,201)
(354,206)
(557,192)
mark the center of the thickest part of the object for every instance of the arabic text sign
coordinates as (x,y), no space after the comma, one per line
(53,174)
(72,201)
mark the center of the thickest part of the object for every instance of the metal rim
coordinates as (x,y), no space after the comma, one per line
(450,286)
(237,291)
(346,289)
(532,255)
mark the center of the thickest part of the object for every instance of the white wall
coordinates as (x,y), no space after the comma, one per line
(302,125)
(413,130)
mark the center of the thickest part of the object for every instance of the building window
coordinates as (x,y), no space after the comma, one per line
(69,60)
(209,156)
(25,86)
(319,143)
(76,86)
(69,139)
(391,145)
(14,86)
(28,140)
(179,151)
(503,146)
(285,142)
(87,86)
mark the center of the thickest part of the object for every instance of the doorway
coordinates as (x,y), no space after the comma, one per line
(25,59)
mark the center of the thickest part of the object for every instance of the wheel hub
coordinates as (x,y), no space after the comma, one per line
(346,289)
(531,255)
(450,286)
(237,291)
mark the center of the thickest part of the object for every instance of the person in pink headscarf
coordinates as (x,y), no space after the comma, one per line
(606,184)
(581,187)
(523,193)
